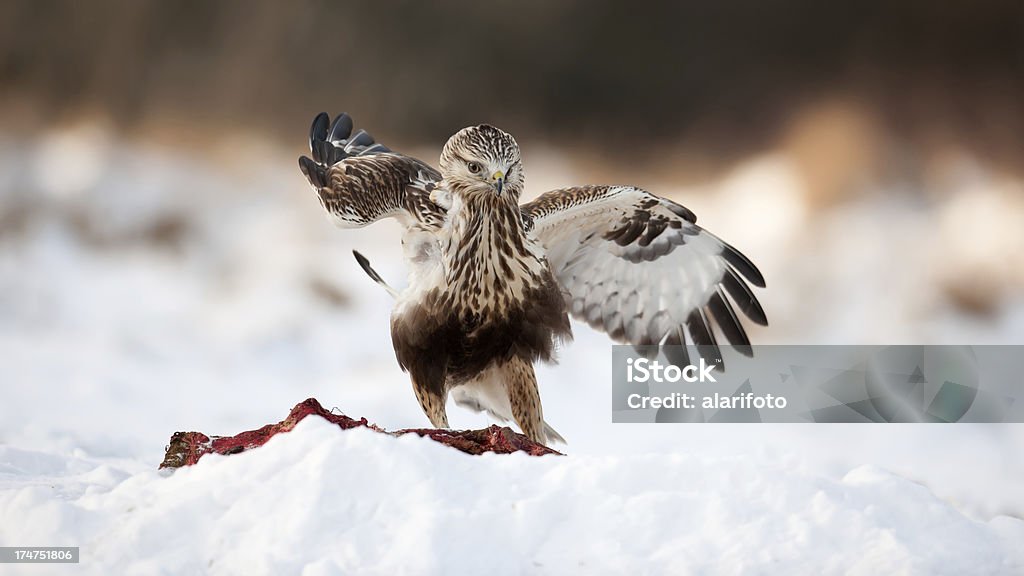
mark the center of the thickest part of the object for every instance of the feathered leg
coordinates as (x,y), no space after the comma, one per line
(521,386)
(487,393)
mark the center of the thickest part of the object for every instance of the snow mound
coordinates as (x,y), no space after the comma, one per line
(319,500)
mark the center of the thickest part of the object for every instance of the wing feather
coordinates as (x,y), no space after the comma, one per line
(638,267)
(724,315)
(360,181)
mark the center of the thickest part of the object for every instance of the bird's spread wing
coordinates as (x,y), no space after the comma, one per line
(639,268)
(360,181)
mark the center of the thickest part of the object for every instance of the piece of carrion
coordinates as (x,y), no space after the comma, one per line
(186,448)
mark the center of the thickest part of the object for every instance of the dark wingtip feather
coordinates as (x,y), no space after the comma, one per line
(704,338)
(675,348)
(318,131)
(744,298)
(721,310)
(314,171)
(341,128)
(743,265)
(322,151)
(361,138)
(331,142)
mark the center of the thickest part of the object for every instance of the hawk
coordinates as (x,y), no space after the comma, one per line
(492,282)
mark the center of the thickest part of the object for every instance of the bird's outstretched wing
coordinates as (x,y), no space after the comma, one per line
(638,267)
(360,181)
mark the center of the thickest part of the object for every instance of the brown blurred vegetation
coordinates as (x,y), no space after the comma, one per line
(621,77)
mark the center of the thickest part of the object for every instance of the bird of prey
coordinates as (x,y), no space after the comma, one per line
(492,281)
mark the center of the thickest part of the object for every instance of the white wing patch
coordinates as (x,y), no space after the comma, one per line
(639,268)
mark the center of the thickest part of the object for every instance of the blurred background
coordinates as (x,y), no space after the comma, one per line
(159,247)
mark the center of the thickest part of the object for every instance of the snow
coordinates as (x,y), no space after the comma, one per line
(323,501)
(112,338)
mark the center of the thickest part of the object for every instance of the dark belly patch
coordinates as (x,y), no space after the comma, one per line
(436,341)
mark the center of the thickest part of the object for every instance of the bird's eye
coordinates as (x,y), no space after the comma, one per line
(474,167)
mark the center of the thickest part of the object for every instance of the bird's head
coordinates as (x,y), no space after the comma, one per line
(482,160)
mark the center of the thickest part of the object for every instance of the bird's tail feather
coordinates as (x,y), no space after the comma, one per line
(552,435)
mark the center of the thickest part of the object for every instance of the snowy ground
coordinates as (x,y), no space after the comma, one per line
(322,501)
(144,291)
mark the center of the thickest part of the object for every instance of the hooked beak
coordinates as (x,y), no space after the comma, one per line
(498,181)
